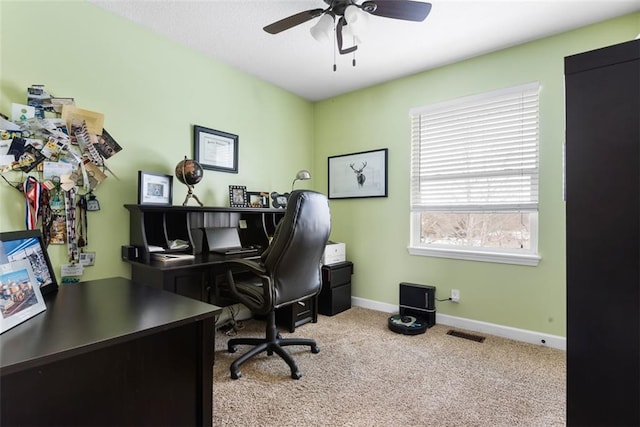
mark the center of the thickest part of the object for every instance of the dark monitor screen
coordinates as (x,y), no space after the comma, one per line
(220,238)
(28,244)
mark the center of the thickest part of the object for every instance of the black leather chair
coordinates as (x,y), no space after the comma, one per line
(288,272)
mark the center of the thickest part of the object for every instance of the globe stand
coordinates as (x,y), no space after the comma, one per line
(190,195)
(189,172)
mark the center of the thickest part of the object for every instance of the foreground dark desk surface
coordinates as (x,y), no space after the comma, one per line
(110,352)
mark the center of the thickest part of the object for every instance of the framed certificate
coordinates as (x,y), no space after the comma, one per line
(215,150)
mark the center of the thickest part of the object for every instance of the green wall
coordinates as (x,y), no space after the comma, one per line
(151,91)
(376,231)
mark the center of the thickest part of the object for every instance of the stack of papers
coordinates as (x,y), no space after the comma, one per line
(163,257)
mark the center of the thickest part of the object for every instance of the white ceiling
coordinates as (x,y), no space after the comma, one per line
(231,31)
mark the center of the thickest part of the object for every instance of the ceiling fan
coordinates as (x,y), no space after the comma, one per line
(350,17)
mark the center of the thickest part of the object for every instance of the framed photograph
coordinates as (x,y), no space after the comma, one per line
(279,200)
(237,196)
(357,175)
(154,188)
(29,245)
(257,199)
(20,296)
(215,150)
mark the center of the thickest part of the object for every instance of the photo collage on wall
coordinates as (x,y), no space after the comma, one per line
(55,154)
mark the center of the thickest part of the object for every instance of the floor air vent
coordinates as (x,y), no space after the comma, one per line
(466,336)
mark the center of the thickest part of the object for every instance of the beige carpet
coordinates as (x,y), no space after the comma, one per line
(366,375)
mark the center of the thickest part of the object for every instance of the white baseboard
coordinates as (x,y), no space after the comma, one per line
(523,335)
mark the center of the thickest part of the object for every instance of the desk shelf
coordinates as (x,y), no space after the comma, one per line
(152,225)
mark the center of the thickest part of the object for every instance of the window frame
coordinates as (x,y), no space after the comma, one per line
(527,257)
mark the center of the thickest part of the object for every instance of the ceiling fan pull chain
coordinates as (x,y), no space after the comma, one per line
(353,61)
(334,50)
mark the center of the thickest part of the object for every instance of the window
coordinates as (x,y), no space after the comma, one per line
(474,177)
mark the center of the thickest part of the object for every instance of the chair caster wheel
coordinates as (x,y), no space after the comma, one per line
(296,375)
(315,349)
(235,375)
(232,349)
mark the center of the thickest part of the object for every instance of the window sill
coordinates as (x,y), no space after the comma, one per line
(497,257)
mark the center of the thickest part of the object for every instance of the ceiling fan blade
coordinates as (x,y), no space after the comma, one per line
(406,10)
(292,21)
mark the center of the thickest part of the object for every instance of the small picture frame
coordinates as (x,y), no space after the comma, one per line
(20,296)
(29,245)
(215,150)
(358,175)
(154,188)
(257,199)
(237,196)
(279,200)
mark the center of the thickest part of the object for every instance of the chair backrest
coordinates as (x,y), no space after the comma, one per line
(293,259)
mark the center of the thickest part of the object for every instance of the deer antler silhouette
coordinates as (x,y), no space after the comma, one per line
(359,175)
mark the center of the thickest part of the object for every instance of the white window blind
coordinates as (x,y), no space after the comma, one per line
(477,153)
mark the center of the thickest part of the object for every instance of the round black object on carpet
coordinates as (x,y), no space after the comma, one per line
(407,325)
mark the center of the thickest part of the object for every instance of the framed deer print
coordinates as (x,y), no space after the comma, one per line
(356,175)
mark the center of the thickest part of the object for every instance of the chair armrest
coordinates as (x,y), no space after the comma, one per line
(255,267)
(258,270)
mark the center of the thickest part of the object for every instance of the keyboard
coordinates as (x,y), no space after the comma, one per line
(235,251)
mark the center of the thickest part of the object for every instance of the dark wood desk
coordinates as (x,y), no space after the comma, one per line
(151,225)
(110,352)
(199,279)
(196,278)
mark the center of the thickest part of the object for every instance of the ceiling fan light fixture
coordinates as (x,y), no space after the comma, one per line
(323,28)
(356,19)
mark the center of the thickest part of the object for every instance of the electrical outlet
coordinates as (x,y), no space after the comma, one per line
(455,295)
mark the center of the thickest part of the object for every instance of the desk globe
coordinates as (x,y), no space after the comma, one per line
(189,172)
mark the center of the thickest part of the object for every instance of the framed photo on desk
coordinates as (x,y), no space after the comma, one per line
(154,188)
(237,196)
(29,245)
(20,297)
(257,199)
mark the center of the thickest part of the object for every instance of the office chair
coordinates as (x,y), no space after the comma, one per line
(288,272)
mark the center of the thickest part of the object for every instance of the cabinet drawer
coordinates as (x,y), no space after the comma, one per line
(337,274)
(294,315)
(302,309)
(335,300)
(191,284)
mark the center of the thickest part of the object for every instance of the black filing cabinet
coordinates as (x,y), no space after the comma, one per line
(335,296)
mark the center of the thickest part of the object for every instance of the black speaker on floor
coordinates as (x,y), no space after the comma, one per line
(418,301)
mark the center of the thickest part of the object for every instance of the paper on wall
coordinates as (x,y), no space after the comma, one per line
(21,112)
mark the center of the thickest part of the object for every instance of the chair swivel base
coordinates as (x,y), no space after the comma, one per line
(270,346)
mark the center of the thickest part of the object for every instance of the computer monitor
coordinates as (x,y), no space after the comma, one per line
(29,245)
